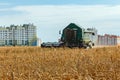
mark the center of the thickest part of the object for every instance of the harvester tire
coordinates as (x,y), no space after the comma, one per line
(90,45)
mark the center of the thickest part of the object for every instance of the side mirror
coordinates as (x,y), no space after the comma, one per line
(59,31)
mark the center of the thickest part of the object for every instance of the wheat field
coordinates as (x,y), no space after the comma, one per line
(35,63)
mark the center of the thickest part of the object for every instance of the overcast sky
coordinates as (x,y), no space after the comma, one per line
(50,16)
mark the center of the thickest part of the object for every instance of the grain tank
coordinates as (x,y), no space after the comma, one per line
(76,36)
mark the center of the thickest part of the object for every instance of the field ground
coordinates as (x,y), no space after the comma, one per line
(35,63)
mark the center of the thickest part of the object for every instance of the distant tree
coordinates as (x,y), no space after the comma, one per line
(34,39)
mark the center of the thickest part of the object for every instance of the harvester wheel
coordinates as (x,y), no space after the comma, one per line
(90,44)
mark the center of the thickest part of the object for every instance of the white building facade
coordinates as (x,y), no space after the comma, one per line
(18,35)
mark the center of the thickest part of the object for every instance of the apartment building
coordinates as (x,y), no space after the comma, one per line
(108,40)
(118,40)
(18,35)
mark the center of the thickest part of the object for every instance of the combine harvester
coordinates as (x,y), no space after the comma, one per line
(76,36)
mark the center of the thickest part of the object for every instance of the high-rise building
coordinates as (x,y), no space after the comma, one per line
(18,35)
